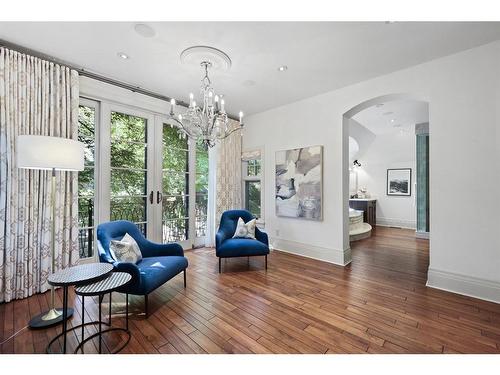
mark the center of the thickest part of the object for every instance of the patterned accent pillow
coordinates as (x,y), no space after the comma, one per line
(245,230)
(126,250)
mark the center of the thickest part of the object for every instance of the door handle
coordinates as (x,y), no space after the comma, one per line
(151,197)
(159,196)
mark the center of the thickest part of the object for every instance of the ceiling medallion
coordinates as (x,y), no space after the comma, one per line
(208,122)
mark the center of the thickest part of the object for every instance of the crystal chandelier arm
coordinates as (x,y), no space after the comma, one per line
(180,125)
(232,131)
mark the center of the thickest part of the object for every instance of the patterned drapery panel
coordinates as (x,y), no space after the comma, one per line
(37,97)
(228,175)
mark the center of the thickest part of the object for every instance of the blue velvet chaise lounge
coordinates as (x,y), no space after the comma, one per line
(228,247)
(160,262)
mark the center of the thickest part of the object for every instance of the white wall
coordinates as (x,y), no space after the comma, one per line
(391,150)
(463,91)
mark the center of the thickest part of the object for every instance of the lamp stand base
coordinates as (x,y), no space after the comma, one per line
(48,318)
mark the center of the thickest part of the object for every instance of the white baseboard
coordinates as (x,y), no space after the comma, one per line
(468,286)
(335,256)
(388,222)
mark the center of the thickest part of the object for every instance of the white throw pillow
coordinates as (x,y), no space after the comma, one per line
(125,250)
(245,230)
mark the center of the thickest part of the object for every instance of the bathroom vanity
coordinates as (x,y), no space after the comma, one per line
(369,208)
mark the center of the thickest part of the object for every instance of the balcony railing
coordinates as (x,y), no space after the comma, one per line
(173,230)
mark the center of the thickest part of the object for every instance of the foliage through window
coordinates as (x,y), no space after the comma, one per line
(128,169)
(252,171)
(175,176)
(201,189)
(252,197)
(86,181)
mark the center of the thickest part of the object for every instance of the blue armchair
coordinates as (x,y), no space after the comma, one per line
(159,262)
(228,247)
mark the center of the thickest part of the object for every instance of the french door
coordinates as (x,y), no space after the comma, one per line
(173,203)
(144,172)
(127,143)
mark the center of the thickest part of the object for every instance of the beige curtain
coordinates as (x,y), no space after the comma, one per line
(37,97)
(228,175)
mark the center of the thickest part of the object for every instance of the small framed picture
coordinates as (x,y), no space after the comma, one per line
(399,182)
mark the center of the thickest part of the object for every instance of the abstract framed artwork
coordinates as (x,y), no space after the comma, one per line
(299,183)
(399,182)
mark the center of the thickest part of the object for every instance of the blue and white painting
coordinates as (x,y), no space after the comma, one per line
(299,175)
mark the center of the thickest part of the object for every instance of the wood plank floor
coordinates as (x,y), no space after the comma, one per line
(378,304)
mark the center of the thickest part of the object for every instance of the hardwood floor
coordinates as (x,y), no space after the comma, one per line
(378,304)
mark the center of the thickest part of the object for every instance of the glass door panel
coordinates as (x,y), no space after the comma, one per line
(129,169)
(175,195)
(201,204)
(87,120)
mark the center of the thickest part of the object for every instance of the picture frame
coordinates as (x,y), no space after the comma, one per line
(299,183)
(399,182)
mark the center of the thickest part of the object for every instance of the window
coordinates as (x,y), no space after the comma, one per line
(128,195)
(252,197)
(252,182)
(175,179)
(86,180)
(201,189)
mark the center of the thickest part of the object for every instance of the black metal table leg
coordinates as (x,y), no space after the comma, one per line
(100,324)
(65,316)
(83,319)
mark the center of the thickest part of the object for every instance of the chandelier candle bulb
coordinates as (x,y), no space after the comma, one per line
(241,117)
(222,105)
(191,97)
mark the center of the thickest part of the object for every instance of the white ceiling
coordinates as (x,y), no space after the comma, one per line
(394,116)
(320,56)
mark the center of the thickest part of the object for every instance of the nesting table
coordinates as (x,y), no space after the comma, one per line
(93,279)
(100,288)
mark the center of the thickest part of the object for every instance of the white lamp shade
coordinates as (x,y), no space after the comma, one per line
(42,152)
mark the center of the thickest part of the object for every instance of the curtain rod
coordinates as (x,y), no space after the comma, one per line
(86,73)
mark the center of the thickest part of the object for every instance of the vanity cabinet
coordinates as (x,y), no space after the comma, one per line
(369,208)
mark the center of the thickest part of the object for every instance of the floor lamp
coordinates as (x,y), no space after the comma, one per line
(54,154)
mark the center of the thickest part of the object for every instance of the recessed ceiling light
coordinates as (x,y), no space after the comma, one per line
(392,120)
(144,30)
(123,56)
(283,68)
(387,113)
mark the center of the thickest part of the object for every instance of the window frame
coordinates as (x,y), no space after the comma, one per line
(96,105)
(161,122)
(258,178)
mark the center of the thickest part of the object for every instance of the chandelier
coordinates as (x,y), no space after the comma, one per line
(208,122)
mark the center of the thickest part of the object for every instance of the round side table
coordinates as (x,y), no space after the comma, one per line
(115,281)
(77,275)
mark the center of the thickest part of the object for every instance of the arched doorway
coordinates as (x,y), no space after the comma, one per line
(361,140)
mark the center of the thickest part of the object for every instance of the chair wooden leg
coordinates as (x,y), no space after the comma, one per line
(220,260)
(266,262)
(146,305)
(184,278)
